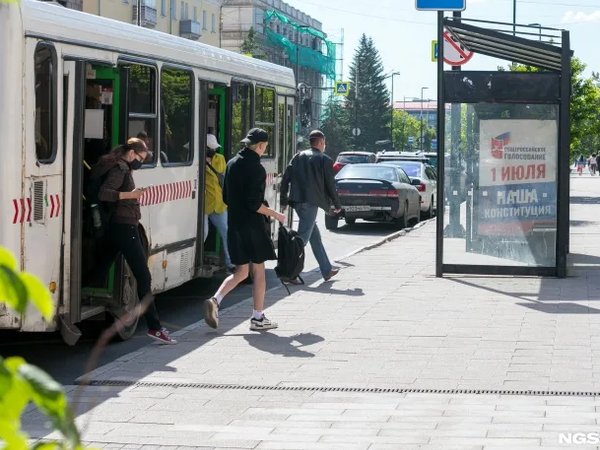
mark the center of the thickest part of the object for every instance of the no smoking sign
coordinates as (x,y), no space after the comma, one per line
(454,53)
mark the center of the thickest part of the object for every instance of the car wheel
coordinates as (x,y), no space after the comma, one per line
(350,221)
(429,214)
(403,220)
(331,222)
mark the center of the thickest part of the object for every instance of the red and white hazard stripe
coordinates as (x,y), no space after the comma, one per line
(169,192)
(54,205)
(22,210)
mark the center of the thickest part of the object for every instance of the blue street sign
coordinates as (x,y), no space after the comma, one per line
(434,144)
(441,5)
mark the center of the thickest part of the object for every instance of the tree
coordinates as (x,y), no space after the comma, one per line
(406,126)
(251,46)
(368,102)
(585,108)
(335,125)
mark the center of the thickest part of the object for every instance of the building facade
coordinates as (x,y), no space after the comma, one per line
(286,36)
(192,19)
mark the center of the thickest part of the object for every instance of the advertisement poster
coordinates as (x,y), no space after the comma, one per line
(517,176)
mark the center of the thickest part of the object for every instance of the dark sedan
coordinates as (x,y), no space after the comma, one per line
(375,192)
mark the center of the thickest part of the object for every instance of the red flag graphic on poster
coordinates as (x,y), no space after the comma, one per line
(498,144)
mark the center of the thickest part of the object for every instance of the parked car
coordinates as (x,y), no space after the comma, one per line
(426,177)
(377,192)
(353,158)
(432,158)
(404,156)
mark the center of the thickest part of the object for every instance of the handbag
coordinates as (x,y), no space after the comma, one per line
(220,176)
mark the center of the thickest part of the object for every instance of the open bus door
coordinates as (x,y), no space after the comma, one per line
(95,282)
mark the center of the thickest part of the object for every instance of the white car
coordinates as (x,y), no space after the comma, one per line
(427,183)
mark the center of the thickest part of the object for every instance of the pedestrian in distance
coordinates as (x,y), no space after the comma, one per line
(307,185)
(593,163)
(580,164)
(215,209)
(119,189)
(248,233)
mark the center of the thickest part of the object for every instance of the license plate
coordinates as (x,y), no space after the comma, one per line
(356,208)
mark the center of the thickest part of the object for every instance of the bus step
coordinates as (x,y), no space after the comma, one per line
(91,311)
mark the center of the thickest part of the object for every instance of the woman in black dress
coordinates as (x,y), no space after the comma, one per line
(248,235)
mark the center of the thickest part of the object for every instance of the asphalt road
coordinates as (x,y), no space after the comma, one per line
(178,308)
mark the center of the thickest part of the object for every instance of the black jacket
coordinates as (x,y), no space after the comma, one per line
(311,175)
(118,179)
(244,190)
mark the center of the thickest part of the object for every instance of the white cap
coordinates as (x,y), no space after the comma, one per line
(211,141)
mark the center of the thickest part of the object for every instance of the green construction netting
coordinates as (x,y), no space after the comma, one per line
(308,57)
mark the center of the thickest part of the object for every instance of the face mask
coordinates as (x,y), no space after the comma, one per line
(210,152)
(135,164)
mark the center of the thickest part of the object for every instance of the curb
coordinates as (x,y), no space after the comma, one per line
(384,240)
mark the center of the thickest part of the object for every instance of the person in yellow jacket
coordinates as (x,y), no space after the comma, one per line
(215,208)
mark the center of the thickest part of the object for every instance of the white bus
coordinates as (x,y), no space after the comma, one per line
(74,85)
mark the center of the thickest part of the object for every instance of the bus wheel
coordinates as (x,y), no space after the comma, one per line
(124,313)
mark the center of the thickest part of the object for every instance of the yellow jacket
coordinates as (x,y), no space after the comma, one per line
(213,194)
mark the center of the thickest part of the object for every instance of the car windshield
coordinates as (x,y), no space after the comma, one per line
(352,159)
(412,169)
(374,171)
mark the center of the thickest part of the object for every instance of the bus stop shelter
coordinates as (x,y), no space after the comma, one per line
(503,152)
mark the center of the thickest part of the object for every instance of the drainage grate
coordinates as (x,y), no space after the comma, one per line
(373,390)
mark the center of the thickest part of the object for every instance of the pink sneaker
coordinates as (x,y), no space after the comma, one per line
(162,336)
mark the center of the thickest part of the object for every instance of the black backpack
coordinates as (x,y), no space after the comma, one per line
(290,256)
(99,214)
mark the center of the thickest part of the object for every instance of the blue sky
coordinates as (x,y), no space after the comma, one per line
(403,35)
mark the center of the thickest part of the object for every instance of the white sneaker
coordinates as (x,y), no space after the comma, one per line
(262,324)
(211,312)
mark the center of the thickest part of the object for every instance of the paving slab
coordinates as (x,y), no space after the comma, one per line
(385,355)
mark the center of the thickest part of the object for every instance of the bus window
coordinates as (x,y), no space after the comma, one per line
(177,116)
(240,114)
(142,105)
(265,116)
(45,104)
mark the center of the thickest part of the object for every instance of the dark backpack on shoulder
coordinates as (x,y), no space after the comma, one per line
(290,256)
(99,213)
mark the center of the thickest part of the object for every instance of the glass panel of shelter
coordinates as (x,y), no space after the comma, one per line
(500,184)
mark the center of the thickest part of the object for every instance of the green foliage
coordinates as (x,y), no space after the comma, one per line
(368,100)
(18,288)
(585,108)
(336,127)
(22,383)
(251,46)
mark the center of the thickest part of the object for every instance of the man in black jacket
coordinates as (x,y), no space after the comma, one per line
(312,187)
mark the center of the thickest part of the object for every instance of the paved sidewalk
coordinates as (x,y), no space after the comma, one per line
(385,357)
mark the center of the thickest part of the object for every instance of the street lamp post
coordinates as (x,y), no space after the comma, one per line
(421,116)
(514,17)
(392,112)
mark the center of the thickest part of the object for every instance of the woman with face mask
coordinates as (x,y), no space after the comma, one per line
(119,187)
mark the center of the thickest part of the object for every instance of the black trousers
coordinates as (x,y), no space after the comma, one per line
(127,240)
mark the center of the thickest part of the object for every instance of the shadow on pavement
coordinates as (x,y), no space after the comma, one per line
(327,288)
(553,304)
(287,346)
